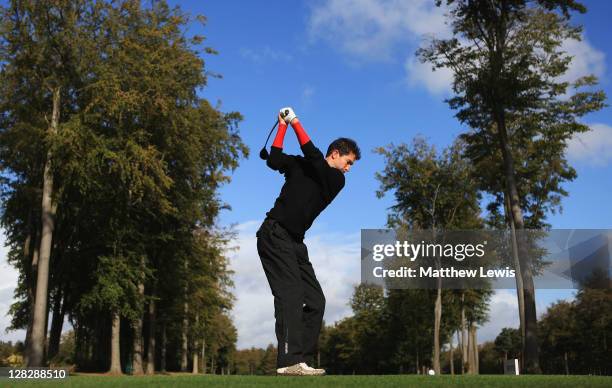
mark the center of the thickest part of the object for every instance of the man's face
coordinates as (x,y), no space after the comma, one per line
(341,162)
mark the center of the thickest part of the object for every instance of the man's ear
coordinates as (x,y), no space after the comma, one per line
(335,154)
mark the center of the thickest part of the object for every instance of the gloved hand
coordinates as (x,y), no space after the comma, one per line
(287,114)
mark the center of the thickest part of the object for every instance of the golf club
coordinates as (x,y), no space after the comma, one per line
(264,153)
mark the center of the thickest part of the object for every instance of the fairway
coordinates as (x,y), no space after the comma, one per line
(325,381)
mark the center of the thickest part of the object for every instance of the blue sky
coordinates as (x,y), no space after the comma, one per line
(343,66)
(348,69)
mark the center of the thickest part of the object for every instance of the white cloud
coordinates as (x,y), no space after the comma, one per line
(593,148)
(503,312)
(371,29)
(586,60)
(307,94)
(265,54)
(336,262)
(421,74)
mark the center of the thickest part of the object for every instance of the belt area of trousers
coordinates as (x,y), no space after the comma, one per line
(272,221)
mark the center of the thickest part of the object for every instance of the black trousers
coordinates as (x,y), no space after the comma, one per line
(299,302)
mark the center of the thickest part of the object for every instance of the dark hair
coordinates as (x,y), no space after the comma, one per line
(345,146)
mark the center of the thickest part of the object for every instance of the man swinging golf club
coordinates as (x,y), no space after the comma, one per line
(311,183)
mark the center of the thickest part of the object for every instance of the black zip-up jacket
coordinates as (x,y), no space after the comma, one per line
(310,185)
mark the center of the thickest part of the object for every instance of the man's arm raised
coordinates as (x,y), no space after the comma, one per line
(279,160)
(311,152)
(331,182)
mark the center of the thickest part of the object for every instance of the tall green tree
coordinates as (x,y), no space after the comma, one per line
(136,162)
(43,47)
(506,59)
(434,192)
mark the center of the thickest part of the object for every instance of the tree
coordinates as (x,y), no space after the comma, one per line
(508,342)
(267,366)
(506,62)
(433,192)
(369,323)
(339,349)
(411,328)
(558,334)
(41,43)
(137,161)
(593,326)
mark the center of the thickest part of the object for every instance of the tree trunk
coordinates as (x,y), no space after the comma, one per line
(151,345)
(530,351)
(464,337)
(204,354)
(115,365)
(45,336)
(460,349)
(185,344)
(30,254)
(49,208)
(473,350)
(451,358)
(469,367)
(57,323)
(566,363)
(476,352)
(417,362)
(137,364)
(162,365)
(518,277)
(212,366)
(437,321)
(194,368)
(32,293)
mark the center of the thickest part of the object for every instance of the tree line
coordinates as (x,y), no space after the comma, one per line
(111,165)
(392,333)
(573,337)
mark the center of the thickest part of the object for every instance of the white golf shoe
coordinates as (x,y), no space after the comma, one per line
(301,369)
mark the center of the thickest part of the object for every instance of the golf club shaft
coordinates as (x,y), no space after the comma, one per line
(269,134)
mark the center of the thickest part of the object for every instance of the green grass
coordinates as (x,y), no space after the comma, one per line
(324,381)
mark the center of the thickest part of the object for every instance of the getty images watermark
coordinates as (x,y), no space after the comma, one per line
(558,258)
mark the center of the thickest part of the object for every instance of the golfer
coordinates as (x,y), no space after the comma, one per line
(311,183)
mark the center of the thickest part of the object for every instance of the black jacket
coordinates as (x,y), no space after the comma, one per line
(310,185)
